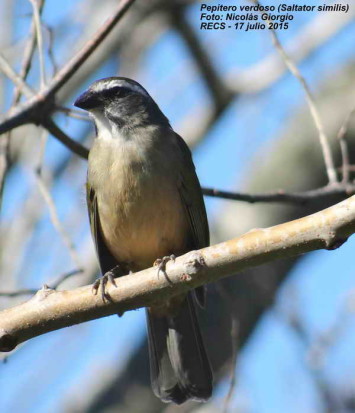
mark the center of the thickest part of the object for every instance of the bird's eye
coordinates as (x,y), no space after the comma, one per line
(116,92)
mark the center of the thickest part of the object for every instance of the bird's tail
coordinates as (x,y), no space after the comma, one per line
(179,365)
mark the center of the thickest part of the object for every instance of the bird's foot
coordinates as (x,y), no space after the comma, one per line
(102,281)
(161,263)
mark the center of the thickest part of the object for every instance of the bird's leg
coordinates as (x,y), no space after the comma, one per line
(161,264)
(102,281)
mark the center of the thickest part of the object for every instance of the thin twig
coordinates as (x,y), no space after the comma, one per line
(344,147)
(17,293)
(73,113)
(351,168)
(4,162)
(55,284)
(31,291)
(28,53)
(55,219)
(323,140)
(42,149)
(51,205)
(37,20)
(74,146)
(8,71)
(314,195)
(50,53)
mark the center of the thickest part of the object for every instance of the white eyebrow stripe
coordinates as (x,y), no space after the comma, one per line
(121,83)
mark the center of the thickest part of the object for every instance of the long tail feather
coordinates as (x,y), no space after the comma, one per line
(179,365)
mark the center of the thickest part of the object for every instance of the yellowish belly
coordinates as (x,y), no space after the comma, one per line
(141,214)
(140,225)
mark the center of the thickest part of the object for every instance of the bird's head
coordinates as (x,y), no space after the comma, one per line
(121,102)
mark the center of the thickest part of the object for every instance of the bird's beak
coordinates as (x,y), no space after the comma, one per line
(87,100)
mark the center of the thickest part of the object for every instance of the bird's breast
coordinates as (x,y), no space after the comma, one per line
(141,213)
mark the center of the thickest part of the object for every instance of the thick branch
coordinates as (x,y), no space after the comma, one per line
(50,310)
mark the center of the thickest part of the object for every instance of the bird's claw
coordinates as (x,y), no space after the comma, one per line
(161,263)
(102,281)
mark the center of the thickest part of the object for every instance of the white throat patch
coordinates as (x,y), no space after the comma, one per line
(106,130)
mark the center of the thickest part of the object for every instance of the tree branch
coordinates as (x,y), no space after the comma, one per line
(50,310)
(28,53)
(318,194)
(323,139)
(35,109)
(30,291)
(68,70)
(38,27)
(8,71)
(344,146)
(62,137)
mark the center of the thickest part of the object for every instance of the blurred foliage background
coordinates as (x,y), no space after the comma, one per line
(281,336)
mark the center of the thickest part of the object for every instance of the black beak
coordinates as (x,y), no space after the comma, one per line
(88,100)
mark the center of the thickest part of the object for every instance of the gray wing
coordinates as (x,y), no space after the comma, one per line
(192,199)
(106,260)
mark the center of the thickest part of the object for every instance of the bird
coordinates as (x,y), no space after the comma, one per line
(145,205)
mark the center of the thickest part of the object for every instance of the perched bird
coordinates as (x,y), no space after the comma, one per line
(145,203)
